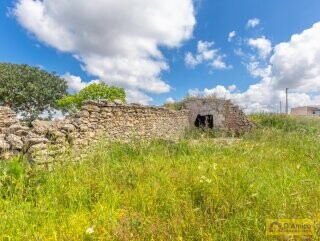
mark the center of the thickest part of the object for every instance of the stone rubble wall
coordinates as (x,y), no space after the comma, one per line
(96,120)
(112,121)
(7,117)
(235,119)
(122,122)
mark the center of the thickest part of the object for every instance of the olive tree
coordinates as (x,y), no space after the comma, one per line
(30,90)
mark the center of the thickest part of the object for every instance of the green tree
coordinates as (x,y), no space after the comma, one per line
(72,103)
(30,90)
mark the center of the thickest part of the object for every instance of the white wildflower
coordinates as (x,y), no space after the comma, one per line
(205,179)
(90,231)
(215,166)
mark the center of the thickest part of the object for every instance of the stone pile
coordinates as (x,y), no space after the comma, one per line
(19,139)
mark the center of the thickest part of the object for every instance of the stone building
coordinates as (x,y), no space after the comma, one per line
(217,114)
(306,111)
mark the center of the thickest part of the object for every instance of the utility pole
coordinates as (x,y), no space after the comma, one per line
(287,105)
(280,107)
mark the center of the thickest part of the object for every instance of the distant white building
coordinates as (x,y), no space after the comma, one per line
(311,111)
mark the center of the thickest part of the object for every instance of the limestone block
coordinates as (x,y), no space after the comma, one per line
(41,127)
(13,129)
(82,113)
(15,142)
(34,141)
(69,128)
(91,108)
(4,146)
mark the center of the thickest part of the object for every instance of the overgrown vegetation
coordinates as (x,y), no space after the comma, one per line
(287,123)
(194,189)
(72,103)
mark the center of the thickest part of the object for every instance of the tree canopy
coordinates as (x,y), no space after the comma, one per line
(72,103)
(30,90)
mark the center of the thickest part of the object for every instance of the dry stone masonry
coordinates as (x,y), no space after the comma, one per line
(217,114)
(96,119)
(112,121)
(7,117)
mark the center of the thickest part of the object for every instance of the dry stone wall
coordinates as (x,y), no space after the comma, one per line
(235,120)
(117,121)
(7,117)
(97,119)
(112,121)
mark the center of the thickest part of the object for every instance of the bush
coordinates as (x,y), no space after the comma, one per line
(286,122)
(72,103)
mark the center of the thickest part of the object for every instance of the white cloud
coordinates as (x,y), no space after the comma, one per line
(231,35)
(218,63)
(232,88)
(206,54)
(256,70)
(119,50)
(170,100)
(252,23)
(294,64)
(239,52)
(218,92)
(139,97)
(75,84)
(263,46)
(194,93)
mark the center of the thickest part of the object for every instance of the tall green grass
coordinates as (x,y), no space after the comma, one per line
(187,190)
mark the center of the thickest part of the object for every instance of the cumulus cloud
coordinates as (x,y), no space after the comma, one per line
(252,23)
(137,96)
(116,40)
(206,54)
(170,100)
(218,63)
(262,45)
(75,84)
(232,88)
(294,64)
(219,92)
(231,35)
(256,69)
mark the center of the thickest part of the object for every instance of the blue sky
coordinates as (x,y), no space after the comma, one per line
(28,38)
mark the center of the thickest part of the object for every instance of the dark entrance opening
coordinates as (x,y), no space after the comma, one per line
(204,121)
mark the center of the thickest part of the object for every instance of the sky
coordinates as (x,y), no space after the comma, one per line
(161,51)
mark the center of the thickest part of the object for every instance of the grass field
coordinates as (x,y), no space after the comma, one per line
(196,189)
